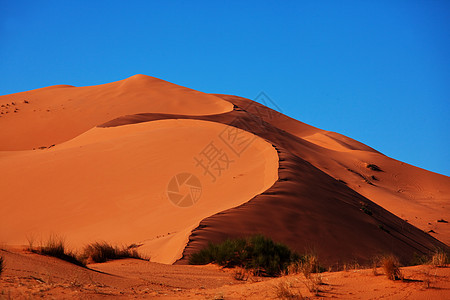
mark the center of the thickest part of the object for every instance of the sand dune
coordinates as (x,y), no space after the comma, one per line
(111,184)
(419,196)
(120,147)
(59,113)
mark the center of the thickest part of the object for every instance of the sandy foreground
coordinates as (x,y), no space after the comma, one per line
(29,276)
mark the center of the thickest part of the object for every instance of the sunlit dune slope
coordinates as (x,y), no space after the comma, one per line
(51,115)
(123,150)
(111,184)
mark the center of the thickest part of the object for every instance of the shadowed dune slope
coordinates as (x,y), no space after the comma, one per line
(306,208)
(418,196)
(118,146)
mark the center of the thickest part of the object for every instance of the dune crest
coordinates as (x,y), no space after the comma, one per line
(48,116)
(112,184)
(144,161)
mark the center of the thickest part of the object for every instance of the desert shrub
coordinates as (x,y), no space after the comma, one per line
(391,267)
(419,259)
(56,247)
(308,264)
(258,253)
(2,266)
(439,258)
(99,252)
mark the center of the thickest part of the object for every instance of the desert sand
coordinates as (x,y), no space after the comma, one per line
(34,276)
(107,163)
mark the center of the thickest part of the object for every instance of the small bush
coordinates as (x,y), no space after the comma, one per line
(55,247)
(439,258)
(257,253)
(1,265)
(99,252)
(391,267)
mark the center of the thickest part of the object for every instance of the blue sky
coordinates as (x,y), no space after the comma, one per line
(376,71)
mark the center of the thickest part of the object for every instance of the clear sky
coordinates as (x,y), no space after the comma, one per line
(376,71)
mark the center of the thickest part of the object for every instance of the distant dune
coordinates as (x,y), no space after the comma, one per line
(143,161)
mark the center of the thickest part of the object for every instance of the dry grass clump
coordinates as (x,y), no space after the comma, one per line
(439,258)
(241,274)
(284,290)
(308,264)
(55,246)
(96,252)
(2,265)
(99,252)
(391,267)
(313,284)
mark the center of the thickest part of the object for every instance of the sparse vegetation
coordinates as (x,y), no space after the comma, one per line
(284,290)
(429,278)
(374,167)
(440,258)
(241,274)
(99,252)
(313,284)
(419,259)
(257,253)
(56,247)
(391,267)
(310,264)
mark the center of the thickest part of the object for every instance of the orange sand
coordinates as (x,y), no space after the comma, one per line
(100,170)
